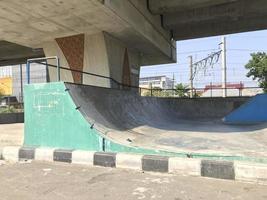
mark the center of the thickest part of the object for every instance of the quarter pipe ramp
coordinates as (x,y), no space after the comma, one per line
(70,116)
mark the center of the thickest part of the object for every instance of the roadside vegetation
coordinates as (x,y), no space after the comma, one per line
(9,109)
(182,90)
(257,67)
(179,90)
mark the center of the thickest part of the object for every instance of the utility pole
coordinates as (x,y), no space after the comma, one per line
(173,79)
(224,68)
(191,76)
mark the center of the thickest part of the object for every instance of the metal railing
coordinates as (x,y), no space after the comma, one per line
(42,61)
(39,61)
(153,92)
(201,92)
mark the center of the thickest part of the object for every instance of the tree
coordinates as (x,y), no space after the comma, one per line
(157,92)
(181,90)
(257,67)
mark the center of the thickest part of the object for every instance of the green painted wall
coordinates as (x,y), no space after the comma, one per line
(52,120)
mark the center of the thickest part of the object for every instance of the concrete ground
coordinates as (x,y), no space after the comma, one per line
(56,181)
(11,134)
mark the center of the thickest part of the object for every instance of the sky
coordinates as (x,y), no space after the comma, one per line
(239,47)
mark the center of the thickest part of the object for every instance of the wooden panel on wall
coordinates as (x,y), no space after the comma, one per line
(73,50)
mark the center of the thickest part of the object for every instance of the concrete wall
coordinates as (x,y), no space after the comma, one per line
(117,52)
(204,108)
(96,60)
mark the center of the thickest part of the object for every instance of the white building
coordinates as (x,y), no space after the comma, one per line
(162,82)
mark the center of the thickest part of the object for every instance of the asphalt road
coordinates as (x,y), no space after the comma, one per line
(57,181)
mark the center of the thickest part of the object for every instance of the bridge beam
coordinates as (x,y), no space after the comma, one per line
(225,12)
(168,6)
(214,28)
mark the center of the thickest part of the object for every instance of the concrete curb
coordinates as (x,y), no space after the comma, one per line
(240,171)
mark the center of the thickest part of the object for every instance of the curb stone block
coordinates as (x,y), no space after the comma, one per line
(83,157)
(250,172)
(105,159)
(155,163)
(185,166)
(44,154)
(218,169)
(61,155)
(26,153)
(11,154)
(129,161)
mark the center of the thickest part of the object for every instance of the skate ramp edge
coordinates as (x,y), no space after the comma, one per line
(53,120)
(252,112)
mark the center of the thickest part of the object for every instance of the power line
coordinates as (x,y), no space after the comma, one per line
(199,51)
(250,50)
(208,50)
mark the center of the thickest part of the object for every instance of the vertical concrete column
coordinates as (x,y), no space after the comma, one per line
(99,54)
(52,49)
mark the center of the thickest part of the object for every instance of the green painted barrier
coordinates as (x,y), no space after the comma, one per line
(52,120)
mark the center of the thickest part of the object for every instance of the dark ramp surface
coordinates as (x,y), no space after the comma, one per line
(188,125)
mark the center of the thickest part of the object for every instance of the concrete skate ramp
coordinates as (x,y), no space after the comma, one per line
(91,118)
(168,124)
(254,111)
(113,109)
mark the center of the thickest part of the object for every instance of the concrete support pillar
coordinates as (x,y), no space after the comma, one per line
(99,54)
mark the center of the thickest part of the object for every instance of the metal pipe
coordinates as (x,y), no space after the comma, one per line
(28,71)
(29,61)
(58,69)
(21,83)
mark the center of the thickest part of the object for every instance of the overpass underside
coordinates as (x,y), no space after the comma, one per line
(113,37)
(202,18)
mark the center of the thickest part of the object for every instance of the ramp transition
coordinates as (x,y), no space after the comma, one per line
(254,111)
(70,116)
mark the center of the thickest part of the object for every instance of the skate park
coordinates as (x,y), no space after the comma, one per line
(90,102)
(122,121)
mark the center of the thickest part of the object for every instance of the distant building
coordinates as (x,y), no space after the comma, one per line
(162,82)
(234,89)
